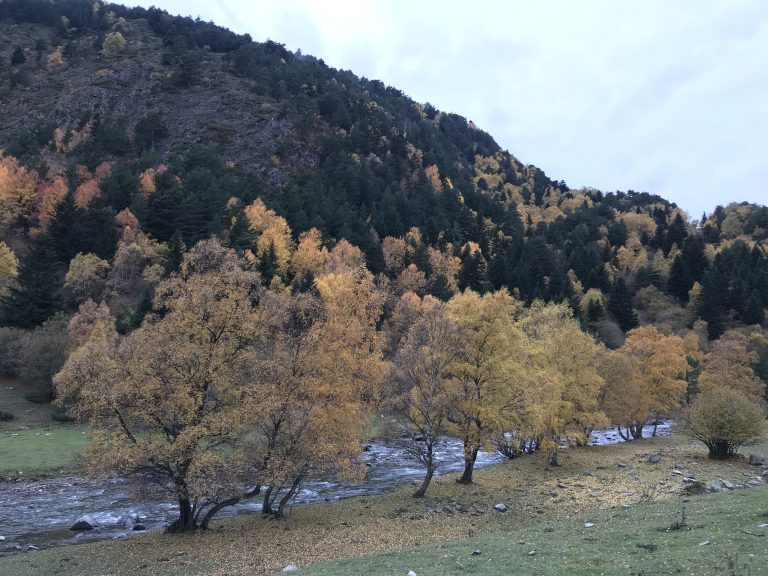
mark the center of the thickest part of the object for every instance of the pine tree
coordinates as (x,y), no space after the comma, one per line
(680,280)
(36,296)
(620,306)
(753,312)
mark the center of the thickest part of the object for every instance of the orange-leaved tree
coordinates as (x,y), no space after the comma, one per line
(166,401)
(658,382)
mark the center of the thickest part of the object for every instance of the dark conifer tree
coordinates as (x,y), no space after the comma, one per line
(36,295)
(620,306)
(680,280)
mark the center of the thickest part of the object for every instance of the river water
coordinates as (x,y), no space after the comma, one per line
(38,514)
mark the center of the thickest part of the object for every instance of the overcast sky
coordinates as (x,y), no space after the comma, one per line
(651,95)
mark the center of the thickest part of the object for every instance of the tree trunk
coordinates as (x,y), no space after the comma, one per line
(552,458)
(225,503)
(637,430)
(266,507)
(280,512)
(655,425)
(186,520)
(425,484)
(624,437)
(470,455)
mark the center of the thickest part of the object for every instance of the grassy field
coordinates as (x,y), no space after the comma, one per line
(32,444)
(436,535)
(721,534)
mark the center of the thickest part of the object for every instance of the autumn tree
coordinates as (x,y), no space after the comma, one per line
(729,365)
(86,277)
(564,396)
(322,368)
(9,268)
(724,419)
(658,380)
(114,43)
(487,380)
(422,379)
(166,401)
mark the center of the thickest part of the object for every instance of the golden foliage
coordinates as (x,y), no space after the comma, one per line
(18,188)
(272,231)
(86,277)
(729,365)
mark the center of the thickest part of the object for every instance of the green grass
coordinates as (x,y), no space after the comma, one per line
(636,540)
(32,444)
(38,451)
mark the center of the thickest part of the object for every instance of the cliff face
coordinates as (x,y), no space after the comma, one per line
(217,110)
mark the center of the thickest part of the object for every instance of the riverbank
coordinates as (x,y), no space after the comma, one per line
(591,479)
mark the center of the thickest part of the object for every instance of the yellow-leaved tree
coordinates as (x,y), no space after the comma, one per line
(422,380)
(167,400)
(488,383)
(564,398)
(322,367)
(658,384)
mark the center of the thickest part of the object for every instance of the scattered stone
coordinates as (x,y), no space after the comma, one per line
(561,485)
(532,553)
(447,509)
(705,543)
(2,538)
(521,541)
(689,479)
(411,573)
(589,524)
(678,472)
(728,484)
(81,526)
(714,486)
(756,459)
(476,552)
(32,547)
(290,568)
(622,464)
(367,448)
(500,507)
(763,526)
(654,458)
(593,494)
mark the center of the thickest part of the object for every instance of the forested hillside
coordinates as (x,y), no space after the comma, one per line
(118,119)
(225,256)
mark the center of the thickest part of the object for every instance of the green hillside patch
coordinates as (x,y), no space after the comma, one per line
(715,534)
(33,444)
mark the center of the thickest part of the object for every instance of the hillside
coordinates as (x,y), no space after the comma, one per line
(118,118)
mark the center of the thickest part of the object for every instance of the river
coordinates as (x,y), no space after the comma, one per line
(37,514)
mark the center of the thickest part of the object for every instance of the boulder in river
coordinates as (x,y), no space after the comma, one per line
(138,527)
(81,526)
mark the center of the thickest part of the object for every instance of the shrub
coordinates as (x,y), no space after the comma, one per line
(6,416)
(60,415)
(724,419)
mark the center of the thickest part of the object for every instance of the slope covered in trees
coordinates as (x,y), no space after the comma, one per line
(146,158)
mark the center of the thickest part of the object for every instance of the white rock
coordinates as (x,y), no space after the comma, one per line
(763,526)
(678,472)
(2,538)
(532,553)
(589,524)
(411,573)
(705,543)
(501,507)
(290,568)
